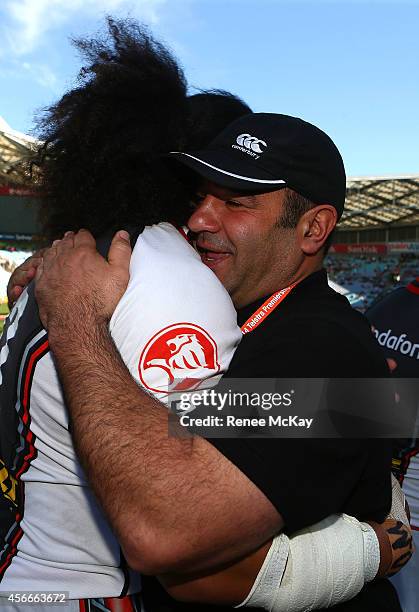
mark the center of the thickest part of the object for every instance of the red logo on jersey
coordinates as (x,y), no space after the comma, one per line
(170,358)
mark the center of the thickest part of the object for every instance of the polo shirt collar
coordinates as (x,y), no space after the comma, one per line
(312,284)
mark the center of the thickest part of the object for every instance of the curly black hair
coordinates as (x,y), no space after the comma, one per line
(101,164)
(103,139)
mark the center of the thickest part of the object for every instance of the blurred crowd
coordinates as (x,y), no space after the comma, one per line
(9,260)
(371,276)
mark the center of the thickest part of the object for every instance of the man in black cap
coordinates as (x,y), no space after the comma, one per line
(274,189)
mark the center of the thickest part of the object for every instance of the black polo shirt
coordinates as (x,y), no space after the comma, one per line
(313,333)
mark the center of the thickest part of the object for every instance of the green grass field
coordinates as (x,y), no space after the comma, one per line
(4,311)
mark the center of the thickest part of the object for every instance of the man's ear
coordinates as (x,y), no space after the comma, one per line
(314,227)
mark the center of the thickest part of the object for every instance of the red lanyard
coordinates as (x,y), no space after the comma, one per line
(266,309)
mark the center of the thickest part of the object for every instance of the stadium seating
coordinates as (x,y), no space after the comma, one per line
(371,276)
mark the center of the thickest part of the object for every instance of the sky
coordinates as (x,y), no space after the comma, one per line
(351,67)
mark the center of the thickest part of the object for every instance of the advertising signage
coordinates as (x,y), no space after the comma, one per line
(368,248)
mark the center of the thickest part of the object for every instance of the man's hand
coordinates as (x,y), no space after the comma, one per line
(22,276)
(75,283)
(175,504)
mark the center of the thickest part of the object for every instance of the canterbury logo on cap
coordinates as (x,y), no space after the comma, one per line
(251,142)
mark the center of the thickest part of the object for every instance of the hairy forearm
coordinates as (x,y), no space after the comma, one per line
(175,503)
(227,586)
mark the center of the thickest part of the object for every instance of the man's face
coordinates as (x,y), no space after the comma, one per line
(239,237)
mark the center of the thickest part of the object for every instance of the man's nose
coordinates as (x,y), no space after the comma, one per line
(206,216)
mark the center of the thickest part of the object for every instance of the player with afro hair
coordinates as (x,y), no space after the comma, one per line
(101,162)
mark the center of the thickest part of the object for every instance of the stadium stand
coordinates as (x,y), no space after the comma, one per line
(15,149)
(365,278)
(383,203)
(376,246)
(18,215)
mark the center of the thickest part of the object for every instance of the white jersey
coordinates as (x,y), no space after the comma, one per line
(174,323)
(177,312)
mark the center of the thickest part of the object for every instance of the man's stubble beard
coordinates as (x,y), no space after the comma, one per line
(272,272)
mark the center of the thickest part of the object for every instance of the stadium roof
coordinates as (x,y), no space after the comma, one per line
(381,201)
(15,147)
(370,201)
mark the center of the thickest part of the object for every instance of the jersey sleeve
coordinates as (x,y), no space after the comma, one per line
(175,326)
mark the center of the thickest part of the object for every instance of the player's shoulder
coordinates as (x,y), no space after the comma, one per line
(164,245)
(394,302)
(168,282)
(164,249)
(157,239)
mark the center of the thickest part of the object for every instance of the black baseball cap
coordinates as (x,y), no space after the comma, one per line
(263,152)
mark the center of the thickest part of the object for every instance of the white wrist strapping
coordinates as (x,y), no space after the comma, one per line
(270,574)
(327,563)
(321,565)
